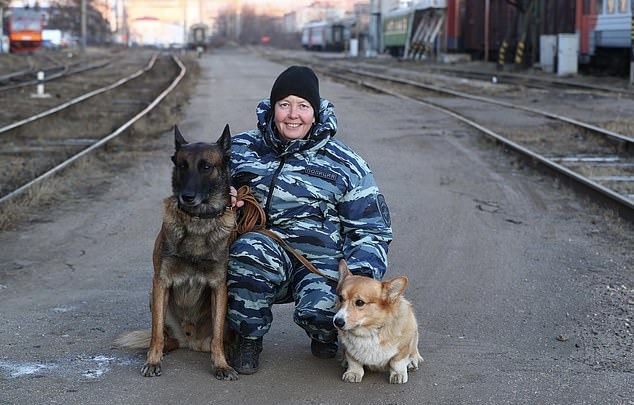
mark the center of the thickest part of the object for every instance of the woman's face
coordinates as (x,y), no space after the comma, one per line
(294,117)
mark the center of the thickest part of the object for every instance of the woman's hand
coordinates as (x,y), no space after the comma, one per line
(234,198)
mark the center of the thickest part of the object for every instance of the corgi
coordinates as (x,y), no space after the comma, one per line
(376,326)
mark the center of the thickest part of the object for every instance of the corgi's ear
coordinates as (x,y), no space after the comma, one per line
(343,271)
(394,288)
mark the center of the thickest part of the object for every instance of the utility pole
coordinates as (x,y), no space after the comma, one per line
(3,4)
(238,26)
(184,23)
(83,26)
(116,16)
(632,50)
(375,26)
(487,8)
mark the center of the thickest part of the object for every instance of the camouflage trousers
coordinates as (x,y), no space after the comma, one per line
(262,273)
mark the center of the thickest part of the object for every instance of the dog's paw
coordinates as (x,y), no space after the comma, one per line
(415,363)
(352,377)
(398,378)
(151,370)
(227,374)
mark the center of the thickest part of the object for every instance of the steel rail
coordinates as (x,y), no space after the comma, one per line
(623,205)
(519,77)
(66,71)
(15,75)
(15,193)
(81,98)
(611,134)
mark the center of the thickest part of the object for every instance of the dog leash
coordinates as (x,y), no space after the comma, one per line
(253,219)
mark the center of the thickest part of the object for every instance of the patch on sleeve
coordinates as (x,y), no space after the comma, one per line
(326,175)
(385,212)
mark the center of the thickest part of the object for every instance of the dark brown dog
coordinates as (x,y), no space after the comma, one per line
(189,291)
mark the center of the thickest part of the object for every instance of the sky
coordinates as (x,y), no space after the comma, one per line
(209,8)
(204,10)
(156,18)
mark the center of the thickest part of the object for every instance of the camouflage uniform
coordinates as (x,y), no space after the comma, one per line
(322,199)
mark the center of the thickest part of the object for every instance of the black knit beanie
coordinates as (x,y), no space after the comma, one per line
(298,81)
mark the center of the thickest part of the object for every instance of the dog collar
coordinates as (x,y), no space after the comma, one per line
(210,215)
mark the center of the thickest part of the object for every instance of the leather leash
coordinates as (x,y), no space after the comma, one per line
(253,219)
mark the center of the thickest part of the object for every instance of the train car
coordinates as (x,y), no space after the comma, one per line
(315,35)
(413,32)
(327,35)
(24,27)
(453,25)
(396,29)
(197,37)
(486,42)
(511,31)
(605,30)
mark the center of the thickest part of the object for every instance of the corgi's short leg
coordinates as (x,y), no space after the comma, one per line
(354,373)
(398,370)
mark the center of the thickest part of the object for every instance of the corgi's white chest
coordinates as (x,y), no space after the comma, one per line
(367,350)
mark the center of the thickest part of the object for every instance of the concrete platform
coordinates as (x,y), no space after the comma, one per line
(507,274)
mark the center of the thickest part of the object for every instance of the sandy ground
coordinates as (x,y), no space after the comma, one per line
(524,292)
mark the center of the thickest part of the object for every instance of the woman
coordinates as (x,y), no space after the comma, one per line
(320,197)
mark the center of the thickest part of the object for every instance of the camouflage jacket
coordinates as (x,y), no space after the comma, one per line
(318,194)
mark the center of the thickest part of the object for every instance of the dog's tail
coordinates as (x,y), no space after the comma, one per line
(139,339)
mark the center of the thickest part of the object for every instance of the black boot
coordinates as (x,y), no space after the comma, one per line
(323,350)
(245,354)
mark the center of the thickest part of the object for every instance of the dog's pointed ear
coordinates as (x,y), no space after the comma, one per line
(178,138)
(344,271)
(225,139)
(394,288)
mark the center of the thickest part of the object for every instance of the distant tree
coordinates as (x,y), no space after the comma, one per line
(66,16)
(248,28)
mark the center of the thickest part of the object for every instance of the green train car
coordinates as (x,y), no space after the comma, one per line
(397,27)
(413,32)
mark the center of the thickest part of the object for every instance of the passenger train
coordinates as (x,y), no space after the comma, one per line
(327,35)
(606,29)
(415,31)
(24,27)
(198,37)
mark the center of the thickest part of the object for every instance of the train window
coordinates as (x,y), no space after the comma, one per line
(25,24)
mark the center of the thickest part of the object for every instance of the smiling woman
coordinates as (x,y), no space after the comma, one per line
(294,117)
(295,100)
(320,198)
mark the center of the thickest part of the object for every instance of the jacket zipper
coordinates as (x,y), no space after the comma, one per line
(267,208)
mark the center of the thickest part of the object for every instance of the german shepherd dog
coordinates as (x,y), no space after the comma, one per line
(188,298)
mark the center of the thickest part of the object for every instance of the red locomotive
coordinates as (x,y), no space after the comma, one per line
(24,26)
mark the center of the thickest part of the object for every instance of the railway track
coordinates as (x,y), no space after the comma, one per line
(49,142)
(595,160)
(43,68)
(535,80)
